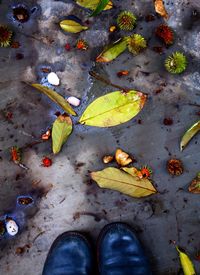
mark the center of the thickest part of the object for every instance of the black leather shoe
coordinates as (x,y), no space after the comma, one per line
(70,254)
(120,253)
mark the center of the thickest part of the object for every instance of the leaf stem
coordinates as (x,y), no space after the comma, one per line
(108,82)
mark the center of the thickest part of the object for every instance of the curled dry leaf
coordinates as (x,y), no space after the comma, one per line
(113,109)
(160,8)
(189,134)
(122,157)
(107,159)
(186,263)
(116,179)
(62,128)
(195,185)
(56,98)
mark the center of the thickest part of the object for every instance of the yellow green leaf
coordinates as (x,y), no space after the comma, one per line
(72,26)
(112,51)
(62,128)
(116,179)
(186,263)
(55,97)
(189,134)
(101,6)
(113,109)
(131,171)
(92,5)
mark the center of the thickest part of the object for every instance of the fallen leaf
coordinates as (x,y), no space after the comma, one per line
(131,171)
(62,128)
(100,7)
(116,179)
(160,8)
(112,51)
(55,97)
(195,185)
(186,263)
(72,26)
(122,157)
(92,5)
(189,134)
(113,109)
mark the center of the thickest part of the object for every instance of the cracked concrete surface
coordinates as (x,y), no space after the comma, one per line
(66,198)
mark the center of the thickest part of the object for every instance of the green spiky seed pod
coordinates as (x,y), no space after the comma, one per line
(126,20)
(136,43)
(176,63)
(5,36)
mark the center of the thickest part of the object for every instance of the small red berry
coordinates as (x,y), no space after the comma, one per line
(67,47)
(47,162)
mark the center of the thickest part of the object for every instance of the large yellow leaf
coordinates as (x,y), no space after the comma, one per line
(116,179)
(113,109)
(55,97)
(186,263)
(62,128)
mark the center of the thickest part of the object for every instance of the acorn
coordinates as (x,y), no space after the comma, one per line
(126,20)
(5,36)
(176,63)
(136,43)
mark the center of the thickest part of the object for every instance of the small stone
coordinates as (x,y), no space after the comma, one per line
(53,79)
(11,227)
(74,101)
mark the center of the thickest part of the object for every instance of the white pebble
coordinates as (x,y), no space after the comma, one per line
(12,228)
(74,101)
(53,79)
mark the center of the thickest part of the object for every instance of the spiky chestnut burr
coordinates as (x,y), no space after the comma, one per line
(165,33)
(126,20)
(176,63)
(136,43)
(5,36)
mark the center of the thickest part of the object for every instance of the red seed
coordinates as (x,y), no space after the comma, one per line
(47,162)
(67,47)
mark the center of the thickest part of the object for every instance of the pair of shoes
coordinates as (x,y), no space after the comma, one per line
(118,253)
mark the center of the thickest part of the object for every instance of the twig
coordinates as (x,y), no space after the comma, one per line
(194,104)
(106,81)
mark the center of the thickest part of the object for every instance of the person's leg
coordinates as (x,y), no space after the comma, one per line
(120,252)
(70,254)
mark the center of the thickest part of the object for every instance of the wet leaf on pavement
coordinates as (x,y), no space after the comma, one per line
(189,134)
(54,96)
(100,7)
(62,128)
(186,263)
(113,109)
(116,179)
(195,185)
